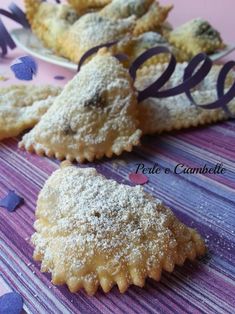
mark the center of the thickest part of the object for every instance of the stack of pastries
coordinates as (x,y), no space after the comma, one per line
(72,29)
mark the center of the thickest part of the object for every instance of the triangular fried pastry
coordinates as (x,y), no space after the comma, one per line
(22,106)
(92,30)
(50,22)
(93,232)
(175,113)
(196,36)
(86,5)
(96,115)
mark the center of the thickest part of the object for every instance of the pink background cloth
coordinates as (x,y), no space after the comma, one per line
(219,13)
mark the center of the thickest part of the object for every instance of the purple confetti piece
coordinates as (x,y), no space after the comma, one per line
(11,303)
(25,69)
(11,201)
(138,178)
(30,63)
(59,77)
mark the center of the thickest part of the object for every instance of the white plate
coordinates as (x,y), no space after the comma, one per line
(27,41)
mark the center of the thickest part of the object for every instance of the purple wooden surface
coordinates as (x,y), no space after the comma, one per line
(205,202)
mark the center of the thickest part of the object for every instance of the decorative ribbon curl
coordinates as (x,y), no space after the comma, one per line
(195,72)
(121,57)
(17,15)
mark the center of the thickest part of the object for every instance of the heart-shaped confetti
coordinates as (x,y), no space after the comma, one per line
(11,201)
(11,303)
(138,178)
(25,68)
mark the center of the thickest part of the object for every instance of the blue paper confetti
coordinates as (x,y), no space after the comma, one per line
(25,68)
(11,303)
(11,201)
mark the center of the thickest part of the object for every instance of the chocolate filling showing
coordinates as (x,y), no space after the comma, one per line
(97,101)
(205,29)
(67,130)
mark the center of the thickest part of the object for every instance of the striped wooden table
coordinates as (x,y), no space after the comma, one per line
(205,202)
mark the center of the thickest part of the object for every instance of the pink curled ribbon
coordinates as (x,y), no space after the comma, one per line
(17,15)
(195,72)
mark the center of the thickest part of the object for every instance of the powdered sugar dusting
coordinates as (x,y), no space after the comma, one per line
(95,114)
(88,224)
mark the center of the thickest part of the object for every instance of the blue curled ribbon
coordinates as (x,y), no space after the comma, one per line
(195,72)
(17,15)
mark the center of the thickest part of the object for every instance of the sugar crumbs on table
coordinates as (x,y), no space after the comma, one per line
(3,78)
(11,303)
(11,202)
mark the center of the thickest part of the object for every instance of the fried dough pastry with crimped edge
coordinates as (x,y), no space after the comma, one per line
(147,75)
(153,18)
(22,106)
(96,115)
(196,36)
(86,5)
(50,22)
(133,47)
(175,113)
(120,9)
(93,30)
(93,232)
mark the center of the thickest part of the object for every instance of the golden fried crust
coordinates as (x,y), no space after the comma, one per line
(95,116)
(120,9)
(152,19)
(31,8)
(196,36)
(92,30)
(86,239)
(134,46)
(175,113)
(21,107)
(51,23)
(86,5)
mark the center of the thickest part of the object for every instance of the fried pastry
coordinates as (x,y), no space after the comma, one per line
(147,75)
(93,30)
(138,45)
(153,18)
(175,113)
(50,22)
(96,115)
(86,5)
(196,36)
(120,9)
(21,107)
(93,232)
